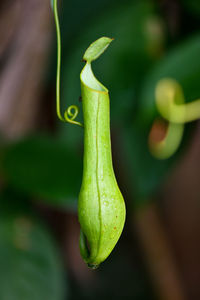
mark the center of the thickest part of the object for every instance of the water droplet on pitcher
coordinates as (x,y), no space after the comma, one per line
(112,236)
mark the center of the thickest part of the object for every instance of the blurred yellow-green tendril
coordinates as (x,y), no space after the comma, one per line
(72,111)
(164,139)
(168,94)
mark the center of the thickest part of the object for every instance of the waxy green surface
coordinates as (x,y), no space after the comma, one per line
(101,207)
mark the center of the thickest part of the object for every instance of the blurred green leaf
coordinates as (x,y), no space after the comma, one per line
(193,6)
(30,264)
(45,168)
(145,172)
(75,15)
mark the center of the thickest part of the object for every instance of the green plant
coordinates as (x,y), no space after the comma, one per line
(101,207)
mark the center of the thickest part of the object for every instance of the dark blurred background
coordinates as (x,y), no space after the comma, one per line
(158,255)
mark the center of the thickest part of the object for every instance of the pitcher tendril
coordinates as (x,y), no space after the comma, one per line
(72,111)
(171,105)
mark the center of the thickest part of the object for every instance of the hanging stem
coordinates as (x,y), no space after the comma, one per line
(71,113)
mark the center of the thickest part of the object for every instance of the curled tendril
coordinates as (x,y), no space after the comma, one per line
(69,116)
(164,139)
